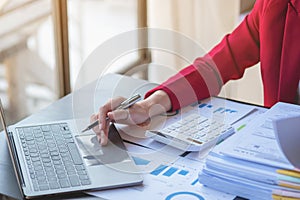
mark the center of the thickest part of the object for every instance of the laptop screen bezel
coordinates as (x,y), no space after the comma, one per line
(12,149)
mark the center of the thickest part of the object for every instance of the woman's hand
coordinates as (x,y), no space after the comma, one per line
(140,113)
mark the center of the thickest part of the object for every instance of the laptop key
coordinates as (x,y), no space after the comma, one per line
(57,162)
(82,172)
(36,188)
(32,176)
(38,168)
(62,176)
(46,160)
(35,158)
(59,167)
(35,185)
(42,182)
(64,183)
(46,128)
(39,173)
(55,127)
(85,182)
(52,179)
(79,167)
(41,178)
(70,140)
(44,187)
(71,172)
(75,154)
(74,180)
(54,185)
(49,170)
(83,177)
(51,174)
(60,171)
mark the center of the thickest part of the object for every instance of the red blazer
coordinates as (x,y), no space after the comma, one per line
(269,34)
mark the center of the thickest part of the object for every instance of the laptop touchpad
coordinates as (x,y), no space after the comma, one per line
(95,154)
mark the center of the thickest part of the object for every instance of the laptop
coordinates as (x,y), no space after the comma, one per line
(55,158)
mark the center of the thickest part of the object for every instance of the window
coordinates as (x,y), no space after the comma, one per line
(93,23)
(28,76)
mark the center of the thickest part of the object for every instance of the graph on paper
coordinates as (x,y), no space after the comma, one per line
(227,111)
(165,178)
(171,170)
(257,142)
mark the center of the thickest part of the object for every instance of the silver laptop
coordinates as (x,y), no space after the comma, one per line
(55,158)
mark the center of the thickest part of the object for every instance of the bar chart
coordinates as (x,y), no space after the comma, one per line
(165,178)
(169,171)
(217,108)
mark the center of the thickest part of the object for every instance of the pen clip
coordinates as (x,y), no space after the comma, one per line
(129,102)
(124,105)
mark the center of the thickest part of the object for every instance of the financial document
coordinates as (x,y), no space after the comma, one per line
(257,142)
(165,178)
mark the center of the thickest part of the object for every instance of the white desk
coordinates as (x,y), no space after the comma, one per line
(73,105)
(79,104)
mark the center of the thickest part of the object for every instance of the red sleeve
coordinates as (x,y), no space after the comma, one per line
(227,60)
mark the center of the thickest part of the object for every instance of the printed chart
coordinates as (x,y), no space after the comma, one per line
(227,111)
(166,179)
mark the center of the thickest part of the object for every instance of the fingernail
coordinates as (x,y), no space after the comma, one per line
(103,139)
(99,138)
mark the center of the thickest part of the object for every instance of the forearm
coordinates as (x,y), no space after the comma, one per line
(226,61)
(195,82)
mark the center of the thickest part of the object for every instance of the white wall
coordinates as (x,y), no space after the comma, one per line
(205,22)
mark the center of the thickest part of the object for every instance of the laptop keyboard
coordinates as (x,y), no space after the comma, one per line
(52,157)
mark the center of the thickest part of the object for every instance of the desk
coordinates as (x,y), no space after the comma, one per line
(73,105)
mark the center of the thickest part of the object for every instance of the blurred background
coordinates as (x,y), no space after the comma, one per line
(44,43)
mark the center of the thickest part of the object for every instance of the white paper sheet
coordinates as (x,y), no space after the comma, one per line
(224,110)
(165,177)
(257,142)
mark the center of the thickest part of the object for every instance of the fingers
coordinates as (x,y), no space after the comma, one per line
(108,107)
(119,115)
(102,135)
(137,113)
(102,130)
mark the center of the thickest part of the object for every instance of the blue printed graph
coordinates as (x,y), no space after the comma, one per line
(183,172)
(140,161)
(158,170)
(183,195)
(164,170)
(217,110)
(170,171)
(195,182)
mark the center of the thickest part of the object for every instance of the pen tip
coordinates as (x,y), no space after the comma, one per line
(84,130)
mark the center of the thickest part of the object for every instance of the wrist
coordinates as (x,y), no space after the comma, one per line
(158,103)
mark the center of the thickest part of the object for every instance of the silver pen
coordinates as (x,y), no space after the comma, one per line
(124,105)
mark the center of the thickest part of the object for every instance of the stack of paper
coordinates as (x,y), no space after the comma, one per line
(251,164)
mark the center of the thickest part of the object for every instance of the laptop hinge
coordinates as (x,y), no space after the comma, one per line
(16,160)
